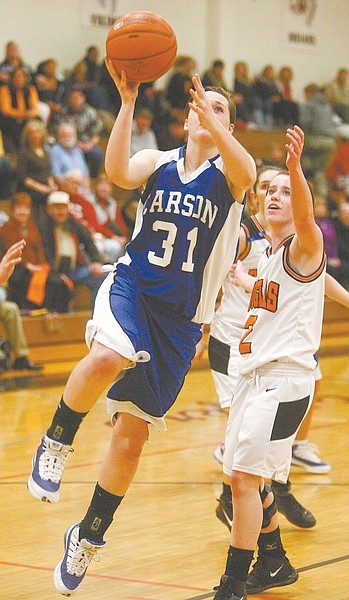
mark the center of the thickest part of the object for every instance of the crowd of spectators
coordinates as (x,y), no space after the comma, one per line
(53,128)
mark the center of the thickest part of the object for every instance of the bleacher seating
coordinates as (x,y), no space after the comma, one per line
(57,342)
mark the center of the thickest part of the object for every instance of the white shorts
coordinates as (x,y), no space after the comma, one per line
(317,372)
(267,410)
(224,360)
(106,330)
(155,424)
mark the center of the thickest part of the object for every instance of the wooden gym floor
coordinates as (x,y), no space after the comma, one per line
(166,542)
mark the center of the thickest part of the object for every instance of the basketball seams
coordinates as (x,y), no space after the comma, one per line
(130,59)
(138,32)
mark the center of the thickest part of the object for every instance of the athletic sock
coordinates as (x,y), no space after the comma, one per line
(65,424)
(99,515)
(238,563)
(283,489)
(270,545)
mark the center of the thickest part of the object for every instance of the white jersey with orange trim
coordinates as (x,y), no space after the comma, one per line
(229,318)
(285,312)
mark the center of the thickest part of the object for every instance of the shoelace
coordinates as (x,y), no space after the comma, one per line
(79,557)
(52,463)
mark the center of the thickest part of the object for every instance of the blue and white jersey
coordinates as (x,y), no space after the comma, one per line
(185,236)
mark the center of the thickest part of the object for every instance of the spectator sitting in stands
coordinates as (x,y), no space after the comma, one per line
(265,96)
(107,210)
(316,120)
(110,243)
(19,102)
(179,84)
(106,96)
(7,178)
(32,285)
(129,209)
(66,155)
(341,223)
(338,169)
(143,136)
(88,125)
(11,318)
(336,196)
(243,94)
(34,174)
(12,60)
(326,224)
(69,248)
(86,73)
(51,86)
(286,111)
(340,94)
(214,76)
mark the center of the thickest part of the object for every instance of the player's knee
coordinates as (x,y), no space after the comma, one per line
(106,362)
(243,483)
(130,434)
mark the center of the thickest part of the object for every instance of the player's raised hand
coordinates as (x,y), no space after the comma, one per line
(8,262)
(128,89)
(294,146)
(201,103)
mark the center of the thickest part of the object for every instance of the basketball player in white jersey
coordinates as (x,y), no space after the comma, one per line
(223,344)
(275,388)
(149,311)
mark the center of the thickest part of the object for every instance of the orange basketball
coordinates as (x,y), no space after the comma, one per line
(143,45)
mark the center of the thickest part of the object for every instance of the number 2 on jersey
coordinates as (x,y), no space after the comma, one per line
(245,347)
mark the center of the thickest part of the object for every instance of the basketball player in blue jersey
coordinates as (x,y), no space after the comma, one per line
(148,314)
(275,388)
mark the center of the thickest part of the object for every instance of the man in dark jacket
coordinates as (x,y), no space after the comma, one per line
(69,248)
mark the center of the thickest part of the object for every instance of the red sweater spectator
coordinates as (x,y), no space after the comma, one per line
(109,243)
(339,166)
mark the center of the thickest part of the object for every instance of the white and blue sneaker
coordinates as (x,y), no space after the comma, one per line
(305,455)
(69,573)
(47,470)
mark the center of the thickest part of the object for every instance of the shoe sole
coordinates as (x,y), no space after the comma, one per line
(57,578)
(59,585)
(311,469)
(258,590)
(40,494)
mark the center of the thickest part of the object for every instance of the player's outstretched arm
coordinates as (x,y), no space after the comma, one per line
(126,172)
(335,291)
(308,242)
(8,262)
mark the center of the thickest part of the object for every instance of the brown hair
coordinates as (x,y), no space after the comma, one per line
(223,92)
(21,198)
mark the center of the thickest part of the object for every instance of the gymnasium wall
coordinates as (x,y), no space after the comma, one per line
(250,30)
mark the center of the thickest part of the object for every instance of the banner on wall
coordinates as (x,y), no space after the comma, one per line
(301,20)
(99,13)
